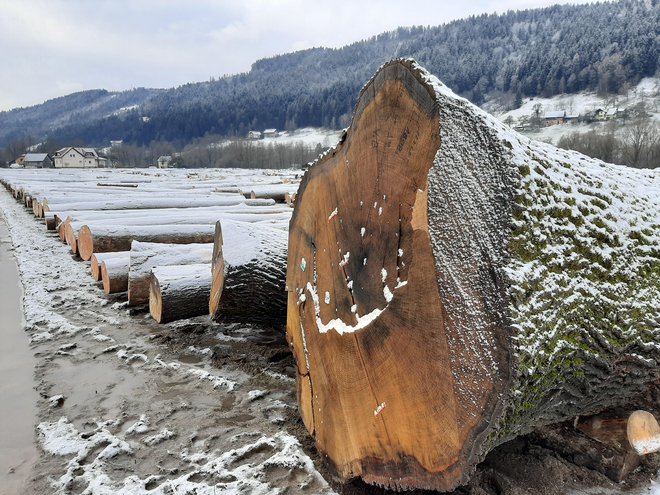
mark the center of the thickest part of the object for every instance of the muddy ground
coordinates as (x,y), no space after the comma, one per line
(129,406)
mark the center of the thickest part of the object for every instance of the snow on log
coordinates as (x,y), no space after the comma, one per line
(178,292)
(114,273)
(453,284)
(147,255)
(249,273)
(98,258)
(108,238)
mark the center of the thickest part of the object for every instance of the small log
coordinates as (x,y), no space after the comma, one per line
(249,272)
(114,273)
(109,238)
(178,292)
(643,432)
(98,258)
(51,221)
(596,443)
(276,192)
(147,255)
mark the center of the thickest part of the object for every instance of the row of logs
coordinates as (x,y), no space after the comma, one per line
(166,243)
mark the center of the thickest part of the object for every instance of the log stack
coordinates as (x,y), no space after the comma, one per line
(452,284)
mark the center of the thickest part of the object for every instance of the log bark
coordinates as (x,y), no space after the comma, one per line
(249,273)
(453,284)
(98,258)
(147,255)
(109,238)
(178,292)
(114,274)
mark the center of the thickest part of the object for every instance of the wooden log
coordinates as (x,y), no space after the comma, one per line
(72,228)
(114,273)
(276,192)
(453,284)
(249,272)
(51,221)
(178,292)
(109,238)
(144,256)
(98,258)
(643,432)
(152,203)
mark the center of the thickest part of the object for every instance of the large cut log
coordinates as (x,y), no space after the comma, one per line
(178,292)
(98,258)
(453,284)
(108,238)
(249,273)
(114,273)
(145,256)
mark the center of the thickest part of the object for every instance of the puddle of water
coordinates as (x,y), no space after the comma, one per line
(18,407)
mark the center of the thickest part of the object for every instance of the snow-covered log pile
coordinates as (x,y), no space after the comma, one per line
(452,284)
(131,223)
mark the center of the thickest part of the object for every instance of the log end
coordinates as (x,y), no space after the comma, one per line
(85,243)
(155,301)
(643,432)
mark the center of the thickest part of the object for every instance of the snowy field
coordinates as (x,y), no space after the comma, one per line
(647,92)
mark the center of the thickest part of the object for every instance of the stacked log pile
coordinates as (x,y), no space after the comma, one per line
(148,233)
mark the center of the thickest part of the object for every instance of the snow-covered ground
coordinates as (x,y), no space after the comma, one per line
(309,137)
(131,407)
(647,92)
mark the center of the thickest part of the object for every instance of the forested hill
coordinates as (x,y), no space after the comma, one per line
(604,47)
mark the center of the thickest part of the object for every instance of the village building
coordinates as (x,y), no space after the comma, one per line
(72,157)
(254,135)
(37,160)
(271,133)
(164,161)
(554,118)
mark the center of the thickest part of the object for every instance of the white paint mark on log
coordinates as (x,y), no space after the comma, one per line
(333,214)
(379,409)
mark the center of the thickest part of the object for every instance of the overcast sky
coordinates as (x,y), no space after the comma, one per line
(51,48)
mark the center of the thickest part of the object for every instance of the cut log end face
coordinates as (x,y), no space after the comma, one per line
(643,432)
(365,319)
(155,300)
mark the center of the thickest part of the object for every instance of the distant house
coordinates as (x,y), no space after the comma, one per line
(270,133)
(254,135)
(78,158)
(37,160)
(164,161)
(554,118)
(573,117)
(602,114)
(19,160)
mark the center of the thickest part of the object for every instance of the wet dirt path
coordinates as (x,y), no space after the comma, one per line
(18,398)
